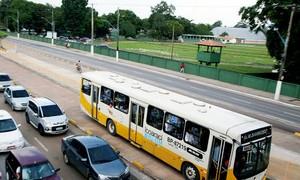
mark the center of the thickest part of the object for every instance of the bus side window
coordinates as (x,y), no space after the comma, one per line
(86,87)
(155,117)
(121,102)
(196,135)
(174,125)
(106,95)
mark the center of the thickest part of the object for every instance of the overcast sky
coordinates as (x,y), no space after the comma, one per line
(200,11)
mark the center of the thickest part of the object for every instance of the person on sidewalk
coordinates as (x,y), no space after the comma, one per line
(182,67)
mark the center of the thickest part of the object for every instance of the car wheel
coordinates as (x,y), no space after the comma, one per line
(190,172)
(66,158)
(5,101)
(12,107)
(27,118)
(90,177)
(111,128)
(41,130)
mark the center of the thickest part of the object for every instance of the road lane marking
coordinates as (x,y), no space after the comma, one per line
(240,100)
(41,144)
(296,115)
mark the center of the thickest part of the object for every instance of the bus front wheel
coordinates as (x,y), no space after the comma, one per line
(190,172)
(111,128)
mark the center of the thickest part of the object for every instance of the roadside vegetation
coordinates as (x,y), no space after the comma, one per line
(240,58)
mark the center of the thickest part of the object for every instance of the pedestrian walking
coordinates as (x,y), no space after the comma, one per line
(182,67)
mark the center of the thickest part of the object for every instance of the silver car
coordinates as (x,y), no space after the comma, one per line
(5,81)
(46,116)
(17,97)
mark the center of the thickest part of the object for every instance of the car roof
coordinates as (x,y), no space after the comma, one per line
(90,141)
(14,88)
(4,115)
(42,101)
(29,155)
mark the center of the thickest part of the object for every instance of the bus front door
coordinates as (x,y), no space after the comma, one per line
(219,159)
(136,123)
(95,97)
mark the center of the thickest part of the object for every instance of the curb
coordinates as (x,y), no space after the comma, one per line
(86,131)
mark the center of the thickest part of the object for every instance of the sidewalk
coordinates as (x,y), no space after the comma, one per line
(67,77)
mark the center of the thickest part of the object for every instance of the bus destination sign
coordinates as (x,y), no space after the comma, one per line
(256,134)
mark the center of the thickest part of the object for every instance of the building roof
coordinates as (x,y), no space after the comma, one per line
(29,155)
(244,33)
(210,43)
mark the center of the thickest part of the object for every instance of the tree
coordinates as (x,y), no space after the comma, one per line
(74,15)
(203,29)
(178,29)
(160,13)
(216,24)
(277,12)
(241,24)
(224,34)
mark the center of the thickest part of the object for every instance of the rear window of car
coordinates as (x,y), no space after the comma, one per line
(51,110)
(4,78)
(20,94)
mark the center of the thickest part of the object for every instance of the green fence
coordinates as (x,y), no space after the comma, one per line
(288,89)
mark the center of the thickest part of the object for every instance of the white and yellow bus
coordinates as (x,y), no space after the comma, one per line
(202,141)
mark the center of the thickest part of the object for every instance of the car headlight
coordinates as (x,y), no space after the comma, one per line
(102,177)
(126,170)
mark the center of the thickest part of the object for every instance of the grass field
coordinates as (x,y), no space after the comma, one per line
(241,58)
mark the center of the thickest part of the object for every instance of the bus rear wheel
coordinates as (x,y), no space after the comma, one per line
(190,172)
(111,128)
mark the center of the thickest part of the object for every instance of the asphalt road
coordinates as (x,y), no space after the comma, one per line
(279,115)
(49,145)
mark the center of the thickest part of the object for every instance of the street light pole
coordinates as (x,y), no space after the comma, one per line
(280,77)
(118,28)
(53,28)
(18,24)
(173,29)
(92,31)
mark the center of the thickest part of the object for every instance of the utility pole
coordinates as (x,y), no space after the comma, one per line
(173,29)
(118,29)
(18,24)
(92,31)
(53,27)
(281,77)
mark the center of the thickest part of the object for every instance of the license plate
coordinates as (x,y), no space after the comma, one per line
(59,128)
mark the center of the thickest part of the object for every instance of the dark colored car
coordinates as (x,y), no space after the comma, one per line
(29,163)
(94,158)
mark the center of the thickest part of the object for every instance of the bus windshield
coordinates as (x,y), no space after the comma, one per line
(252,159)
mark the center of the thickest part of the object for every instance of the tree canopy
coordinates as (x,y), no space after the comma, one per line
(270,16)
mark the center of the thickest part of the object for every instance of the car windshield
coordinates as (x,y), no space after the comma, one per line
(4,78)
(7,125)
(102,154)
(38,171)
(252,159)
(20,94)
(52,110)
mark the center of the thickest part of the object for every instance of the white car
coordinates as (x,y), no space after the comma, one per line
(11,136)
(17,97)
(46,116)
(5,81)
